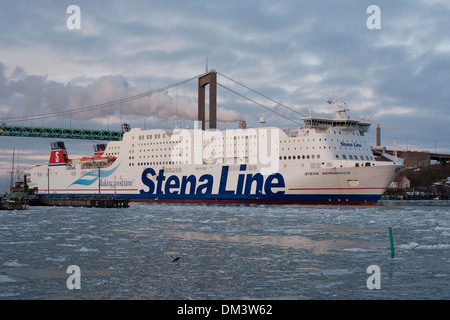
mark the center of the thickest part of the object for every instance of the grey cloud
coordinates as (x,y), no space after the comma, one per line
(297,52)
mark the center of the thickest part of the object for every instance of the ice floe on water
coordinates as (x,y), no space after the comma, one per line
(331,272)
(14,264)
(227,252)
(417,246)
(84,249)
(6,279)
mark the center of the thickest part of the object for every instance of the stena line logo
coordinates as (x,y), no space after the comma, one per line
(356,145)
(246,183)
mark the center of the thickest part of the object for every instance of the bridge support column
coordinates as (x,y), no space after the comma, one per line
(211,80)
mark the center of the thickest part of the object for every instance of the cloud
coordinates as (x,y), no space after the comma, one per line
(394,111)
(36,98)
(296,52)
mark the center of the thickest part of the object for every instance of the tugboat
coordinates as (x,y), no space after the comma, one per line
(18,199)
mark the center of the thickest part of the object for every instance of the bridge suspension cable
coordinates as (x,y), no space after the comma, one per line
(262,95)
(149,93)
(93,107)
(259,104)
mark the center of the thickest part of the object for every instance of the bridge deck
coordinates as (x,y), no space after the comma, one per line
(43,132)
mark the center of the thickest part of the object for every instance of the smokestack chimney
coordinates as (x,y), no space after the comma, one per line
(378,135)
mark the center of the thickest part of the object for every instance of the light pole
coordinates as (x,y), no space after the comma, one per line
(99,181)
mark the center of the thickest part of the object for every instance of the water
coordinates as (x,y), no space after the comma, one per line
(226,252)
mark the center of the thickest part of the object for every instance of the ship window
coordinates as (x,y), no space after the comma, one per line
(318,156)
(337,156)
(351,157)
(344,156)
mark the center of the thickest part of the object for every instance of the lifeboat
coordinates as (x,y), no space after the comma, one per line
(100,159)
(87,160)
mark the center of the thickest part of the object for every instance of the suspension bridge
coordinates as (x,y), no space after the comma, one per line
(110,135)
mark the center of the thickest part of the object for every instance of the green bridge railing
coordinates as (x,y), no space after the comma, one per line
(43,132)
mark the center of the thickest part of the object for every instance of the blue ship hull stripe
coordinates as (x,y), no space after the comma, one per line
(261,198)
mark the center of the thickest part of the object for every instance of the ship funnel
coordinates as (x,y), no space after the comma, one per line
(59,155)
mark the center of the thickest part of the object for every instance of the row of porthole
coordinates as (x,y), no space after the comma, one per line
(155,163)
(300,157)
(318,157)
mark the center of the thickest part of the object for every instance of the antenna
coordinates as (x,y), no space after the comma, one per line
(206,70)
(338,108)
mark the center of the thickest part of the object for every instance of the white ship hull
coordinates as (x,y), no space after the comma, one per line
(264,165)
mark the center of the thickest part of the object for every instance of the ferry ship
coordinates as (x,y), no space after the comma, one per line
(326,161)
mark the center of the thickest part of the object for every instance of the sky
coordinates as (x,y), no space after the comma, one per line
(390,65)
